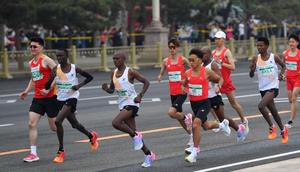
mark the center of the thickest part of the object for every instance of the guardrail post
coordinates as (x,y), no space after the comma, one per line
(133,55)
(231,46)
(208,42)
(103,60)
(73,55)
(273,44)
(158,55)
(251,48)
(5,65)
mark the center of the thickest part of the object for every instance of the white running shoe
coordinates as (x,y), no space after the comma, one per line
(224,126)
(148,160)
(192,158)
(189,121)
(289,124)
(138,141)
(246,124)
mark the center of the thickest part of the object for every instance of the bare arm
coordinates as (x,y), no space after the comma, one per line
(213,77)
(49,62)
(136,75)
(282,65)
(231,65)
(252,66)
(216,70)
(186,62)
(88,78)
(162,70)
(111,87)
(29,87)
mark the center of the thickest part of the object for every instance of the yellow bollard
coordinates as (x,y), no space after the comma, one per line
(231,46)
(103,60)
(133,55)
(185,49)
(73,55)
(273,44)
(158,55)
(6,73)
(208,42)
(251,53)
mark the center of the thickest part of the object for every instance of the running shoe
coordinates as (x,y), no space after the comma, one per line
(31,158)
(284,135)
(192,158)
(246,124)
(188,121)
(60,157)
(224,126)
(272,133)
(190,149)
(138,141)
(289,124)
(241,133)
(94,142)
(148,160)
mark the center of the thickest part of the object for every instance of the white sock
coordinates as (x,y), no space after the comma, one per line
(221,125)
(33,150)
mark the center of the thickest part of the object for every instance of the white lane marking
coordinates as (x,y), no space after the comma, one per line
(249,161)
(99,87)
(6,125)
(147,100)
(11,101)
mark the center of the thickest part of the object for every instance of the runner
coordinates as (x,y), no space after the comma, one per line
(292,61)
(175,64)
(40,66)
(65,75)
(215,97)
(225,60)
(122,80)
(265,65)
(197,79)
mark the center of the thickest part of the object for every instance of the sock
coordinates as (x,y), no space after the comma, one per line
(33,150)
(221,125)
(148,153)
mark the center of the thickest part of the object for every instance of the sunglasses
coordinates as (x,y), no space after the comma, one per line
(33,46)
(172,47)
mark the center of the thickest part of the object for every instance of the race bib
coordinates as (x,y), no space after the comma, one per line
(291,65)
(64,86)
(122,93)
(267,70)
(174,76)
(195,90)
(36,74)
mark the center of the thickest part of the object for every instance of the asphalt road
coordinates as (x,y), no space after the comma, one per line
(162,134)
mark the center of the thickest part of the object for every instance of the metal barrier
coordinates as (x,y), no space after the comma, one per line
(16,62)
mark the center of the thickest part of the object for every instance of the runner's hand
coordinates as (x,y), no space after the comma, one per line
(44,92)
(105,86)
(75,87)
(137,99)
(23,95)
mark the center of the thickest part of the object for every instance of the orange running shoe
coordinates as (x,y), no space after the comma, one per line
(272,133)
(60,157)
(94,141)
(284,135)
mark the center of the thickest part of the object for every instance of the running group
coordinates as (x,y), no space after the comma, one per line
(203,77)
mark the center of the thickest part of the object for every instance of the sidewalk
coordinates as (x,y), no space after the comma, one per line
(286,165)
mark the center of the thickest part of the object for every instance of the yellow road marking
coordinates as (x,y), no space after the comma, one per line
(166,129)
(14,151)
(126,135)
